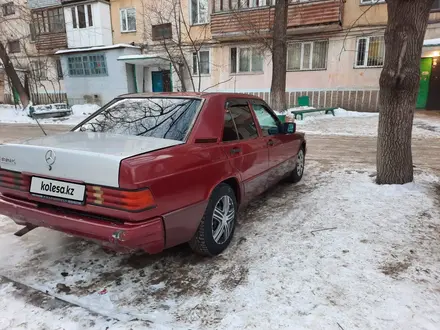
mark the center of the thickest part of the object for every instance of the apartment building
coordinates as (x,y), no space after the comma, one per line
(32,31)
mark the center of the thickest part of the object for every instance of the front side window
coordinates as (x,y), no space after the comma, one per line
(307,56)
(201,62)
(370,52)
(82,16)
(266,120)
(128,20)
(199,11)
(165,118)
(87,65)
(246,60)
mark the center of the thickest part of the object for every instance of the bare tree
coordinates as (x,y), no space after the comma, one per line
(279,56)
(13,17)
(179,45)
(399,82)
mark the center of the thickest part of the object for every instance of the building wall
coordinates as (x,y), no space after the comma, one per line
(141,20)
(97,35)
(106,87)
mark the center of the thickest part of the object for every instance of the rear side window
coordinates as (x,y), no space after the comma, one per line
(239,123)
(165,118)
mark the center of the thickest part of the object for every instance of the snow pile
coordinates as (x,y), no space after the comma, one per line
(335,251)
(11,115)
(431,42)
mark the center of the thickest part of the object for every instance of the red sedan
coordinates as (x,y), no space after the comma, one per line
(152,171)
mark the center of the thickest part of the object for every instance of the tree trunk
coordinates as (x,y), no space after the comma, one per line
(399,83)
(279,57)
(12,74)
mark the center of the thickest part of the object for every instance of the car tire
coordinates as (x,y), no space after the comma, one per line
(221,210)
(297,173)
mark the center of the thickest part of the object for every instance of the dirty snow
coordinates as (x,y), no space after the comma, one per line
(10,115)
(333,251)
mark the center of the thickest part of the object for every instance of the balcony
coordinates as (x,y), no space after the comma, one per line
(256,22)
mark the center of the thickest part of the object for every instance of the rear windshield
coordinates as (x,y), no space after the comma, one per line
(166,118)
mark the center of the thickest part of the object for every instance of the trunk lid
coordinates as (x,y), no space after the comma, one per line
(78,156)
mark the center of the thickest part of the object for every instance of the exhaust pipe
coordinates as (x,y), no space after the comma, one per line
(25,230)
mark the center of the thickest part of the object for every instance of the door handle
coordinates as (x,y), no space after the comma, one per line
(235,151)
(270,143)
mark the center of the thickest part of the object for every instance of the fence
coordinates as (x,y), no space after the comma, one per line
(40,98)
(355,100)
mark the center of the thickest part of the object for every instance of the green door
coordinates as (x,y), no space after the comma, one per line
(425,75)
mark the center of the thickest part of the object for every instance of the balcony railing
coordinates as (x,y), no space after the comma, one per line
(258,20)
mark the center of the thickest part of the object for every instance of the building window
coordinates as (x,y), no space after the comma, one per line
(128,20)
(39,70)
(48,21)
(201,62)
(162,31)
(14,46)
(307,56)
(371,2)
(8,9)
(59,69)
(82,16)
(199,11)
(436,5)
(370,52)
(246,60)
(87,65)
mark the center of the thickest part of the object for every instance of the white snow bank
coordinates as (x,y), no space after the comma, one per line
(10,115)
(431,42)
(353,123)
(335,251)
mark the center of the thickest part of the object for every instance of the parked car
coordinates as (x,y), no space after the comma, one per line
(151,171)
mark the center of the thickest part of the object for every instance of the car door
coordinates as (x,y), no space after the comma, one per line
(247,151)
(283,148)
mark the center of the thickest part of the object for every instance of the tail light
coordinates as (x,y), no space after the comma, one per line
(13,180)
(133,201)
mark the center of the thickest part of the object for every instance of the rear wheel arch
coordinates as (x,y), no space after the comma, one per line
(235,185)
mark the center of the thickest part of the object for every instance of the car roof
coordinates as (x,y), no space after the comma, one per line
(190,95)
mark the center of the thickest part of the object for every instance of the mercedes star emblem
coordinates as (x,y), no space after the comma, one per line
(50,158)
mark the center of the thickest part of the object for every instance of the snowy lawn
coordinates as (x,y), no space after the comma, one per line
(333,252)
(352,123)
(11,115)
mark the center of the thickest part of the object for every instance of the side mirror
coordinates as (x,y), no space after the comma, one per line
(289,128)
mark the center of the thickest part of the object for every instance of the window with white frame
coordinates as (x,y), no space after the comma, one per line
(370,52)
(246,59)
(201,62)
(87,65)
(371,2)
(310,55)
(128,20)
(199,11)
(82,16)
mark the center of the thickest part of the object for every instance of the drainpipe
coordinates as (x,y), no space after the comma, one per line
(135,79)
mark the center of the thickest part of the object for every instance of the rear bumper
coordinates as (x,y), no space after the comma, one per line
(148,235)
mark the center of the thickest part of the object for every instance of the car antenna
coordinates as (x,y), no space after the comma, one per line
(31,113)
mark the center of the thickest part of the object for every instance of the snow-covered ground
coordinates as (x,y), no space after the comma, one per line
(352,123)
(11,115)
(335,251)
